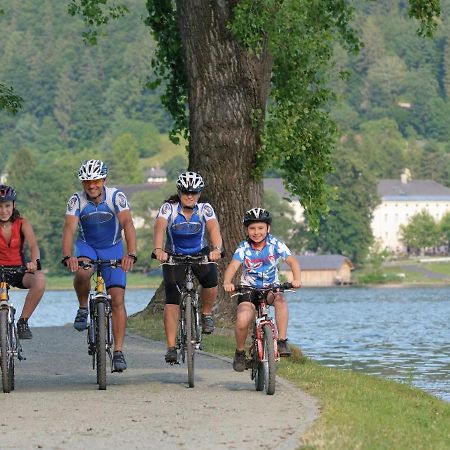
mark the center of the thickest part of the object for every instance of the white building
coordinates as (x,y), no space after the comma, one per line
(400,200)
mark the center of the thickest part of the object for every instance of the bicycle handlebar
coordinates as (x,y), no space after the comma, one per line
(13,270)
(114,263)
(274,288)
(175,259)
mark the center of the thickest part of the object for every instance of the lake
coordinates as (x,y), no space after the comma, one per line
(398,333)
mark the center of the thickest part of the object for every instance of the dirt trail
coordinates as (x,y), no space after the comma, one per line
(56,404)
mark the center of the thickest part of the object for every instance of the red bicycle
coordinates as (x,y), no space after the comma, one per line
(263,351)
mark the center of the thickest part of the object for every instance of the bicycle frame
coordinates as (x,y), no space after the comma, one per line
(9,341)
(189,331)
(263,351)
(99,336)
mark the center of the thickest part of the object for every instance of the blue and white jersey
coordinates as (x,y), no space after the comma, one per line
(98,225)
(186,237)
(259,267)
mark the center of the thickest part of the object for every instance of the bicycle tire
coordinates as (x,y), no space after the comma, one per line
(12,346)
(190,335)
(257,369)
(4,349)
(269,360)
(101,345)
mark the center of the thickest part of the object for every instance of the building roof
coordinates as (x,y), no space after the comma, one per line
(155,173)
(412,190)
(131,189)
(276,184)
(321,262)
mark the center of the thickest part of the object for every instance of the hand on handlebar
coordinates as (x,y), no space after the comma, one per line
(296,284)
(215,255)
(160,255)
(127,263)
(72,264)
(228,287)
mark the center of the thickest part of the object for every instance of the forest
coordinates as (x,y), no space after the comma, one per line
(392,111)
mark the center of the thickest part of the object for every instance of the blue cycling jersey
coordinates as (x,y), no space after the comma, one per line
(260,267)
(186,237)
(98,225)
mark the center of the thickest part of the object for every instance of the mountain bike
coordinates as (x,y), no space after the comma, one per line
(189,334)
(263,351)
(99,335)
(10,347)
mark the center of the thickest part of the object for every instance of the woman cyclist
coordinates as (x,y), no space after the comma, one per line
(15,232)
(186,222)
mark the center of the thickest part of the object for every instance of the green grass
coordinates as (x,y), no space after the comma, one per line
(358,411)
(136,280)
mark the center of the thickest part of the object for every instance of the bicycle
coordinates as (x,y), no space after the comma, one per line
(99,335)
(263,351)
(189,334)
(10,347)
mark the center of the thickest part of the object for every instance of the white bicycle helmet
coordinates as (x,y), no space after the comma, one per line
(190,182)
(93,169)
(257,215)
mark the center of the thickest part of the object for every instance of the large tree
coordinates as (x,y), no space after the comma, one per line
(221,62)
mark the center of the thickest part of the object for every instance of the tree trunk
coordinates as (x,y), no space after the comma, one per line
(228,89)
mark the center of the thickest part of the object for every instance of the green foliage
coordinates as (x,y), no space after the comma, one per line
(125,166)
(8,100)
(346,229)
(444,228)
(421,233)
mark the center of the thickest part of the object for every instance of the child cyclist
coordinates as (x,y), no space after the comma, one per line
(259,255)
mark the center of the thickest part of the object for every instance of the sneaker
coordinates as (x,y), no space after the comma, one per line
(207,324)
(171,355)
(119,363)
(23,330)
(283,347)
(81,320)
(239,361)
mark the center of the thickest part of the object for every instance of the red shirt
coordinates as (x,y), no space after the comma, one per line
(12,254)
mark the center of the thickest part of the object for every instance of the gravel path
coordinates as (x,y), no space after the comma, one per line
(56,404)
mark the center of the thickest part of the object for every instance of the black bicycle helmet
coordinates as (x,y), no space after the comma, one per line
(7,193)
(257,215)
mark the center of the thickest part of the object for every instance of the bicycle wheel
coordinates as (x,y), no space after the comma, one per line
(269,360)
(13,347)
(257,369)
(5,350)
(100,350)
(190,339)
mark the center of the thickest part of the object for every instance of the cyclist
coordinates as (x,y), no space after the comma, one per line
(186,221)
(100,213)
(15,231)
(259,255)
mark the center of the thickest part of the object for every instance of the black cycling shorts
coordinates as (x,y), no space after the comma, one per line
(16,280)
(174,277)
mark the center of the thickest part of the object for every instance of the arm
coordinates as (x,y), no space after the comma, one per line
(126,222)
(30,240)
(70,226)
(296,272)
(213,229)
(159,230)
(230,271)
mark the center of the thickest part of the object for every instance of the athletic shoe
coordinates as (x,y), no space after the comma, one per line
(207,324)
(239,361)
(23,330)
(81,320)
(119,363)
(171,355)
(283,347)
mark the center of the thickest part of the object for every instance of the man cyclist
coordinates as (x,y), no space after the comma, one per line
(100,213)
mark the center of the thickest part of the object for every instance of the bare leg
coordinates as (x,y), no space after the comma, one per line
(35,283)
(82,286)
(119,316)
(171,318)
(281,315)
(245,314)
(208,296)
